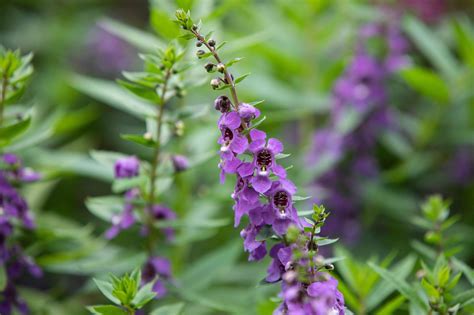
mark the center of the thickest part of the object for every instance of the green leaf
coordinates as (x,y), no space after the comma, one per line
(144,295)
(143,92)
(8,132)
(111,94)
(391,306)
(241,78)
(139,139)
(106,310)
(432,47)
(427,83)
(140,39)
(105,207)
(3,277)
(233,61)
(383,289)
(106,288)
(401,285)
(463,297)
(429,289)
(466,270)
(172,309)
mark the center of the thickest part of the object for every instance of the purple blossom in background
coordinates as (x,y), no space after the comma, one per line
(14,209)
(104,54)
(347,159)
(157,269)
(127,167)
(429,11)
(126,218)
(180,163)
(162,213)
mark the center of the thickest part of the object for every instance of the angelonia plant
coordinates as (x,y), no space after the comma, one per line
(438,289)
(125,292)
(16,218)
(142,181)
(265,195)
(360,115)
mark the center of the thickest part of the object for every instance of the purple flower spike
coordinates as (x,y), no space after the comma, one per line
(127,167)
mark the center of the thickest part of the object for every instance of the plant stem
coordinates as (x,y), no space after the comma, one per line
(155,161)
(4,91)
(227,74)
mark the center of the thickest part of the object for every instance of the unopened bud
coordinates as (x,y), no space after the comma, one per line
(198,43)
(222,104)
(195,27)
(215,83)
(212,43)
(220,67)
(179,128)
(200,53)
(180,163)
(209,66)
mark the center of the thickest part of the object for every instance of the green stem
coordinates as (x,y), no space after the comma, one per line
(227,74)
(4,91)
(155,161)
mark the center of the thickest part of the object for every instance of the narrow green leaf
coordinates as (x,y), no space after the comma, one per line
(427,83)
(8,132)
(106,288)
(3,277)
(106,310)
(401,285)
(139,139)
(144,295)
(172,309)
(241,78)
(432,47)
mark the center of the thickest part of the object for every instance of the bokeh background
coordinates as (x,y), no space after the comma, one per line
(411,134)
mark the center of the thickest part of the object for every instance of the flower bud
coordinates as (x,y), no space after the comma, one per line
(209,66)
(222,104)
(200,53)
(248,112)
(220,67)
(215,83)
(179,128)
(194,27)
(180,163)
(212,43)
(198,43)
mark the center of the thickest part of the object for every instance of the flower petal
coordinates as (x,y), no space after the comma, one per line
(275,145)
(261,184)
(231,120)
(239,144)
(256,134)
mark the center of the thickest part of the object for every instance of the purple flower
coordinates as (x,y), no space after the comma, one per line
(11,159)
(257,249)
(246,199)
(223,104)
(157,269)
(281,259)
(228,165)
(127,167)
(180,163)
(280,196)
(162,213)
(263,162)
(325,297)
(248,112)
(125,219)
(231,140)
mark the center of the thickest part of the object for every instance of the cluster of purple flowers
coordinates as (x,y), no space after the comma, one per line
(264,194)
(156,268)
(361,88)
(14,213)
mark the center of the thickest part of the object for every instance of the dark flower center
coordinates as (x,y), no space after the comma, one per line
(160,216)
(281,200)
(264,159)
(228,135)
